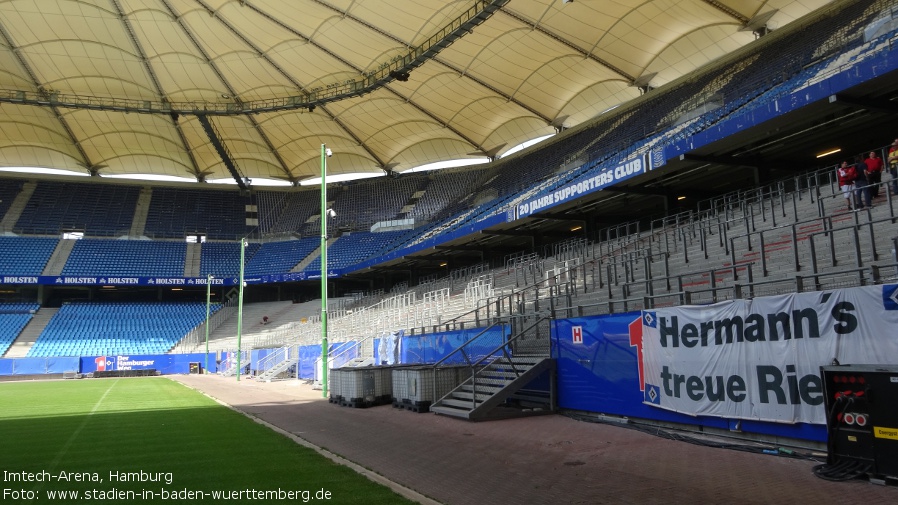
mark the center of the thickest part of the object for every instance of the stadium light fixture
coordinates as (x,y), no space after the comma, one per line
(209,278)
(831,151)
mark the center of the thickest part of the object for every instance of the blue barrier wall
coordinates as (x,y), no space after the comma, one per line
(37,366)
(601,375)
(433,347)
(258,354)
(307,356)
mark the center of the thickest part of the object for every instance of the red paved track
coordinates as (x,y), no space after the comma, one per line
(547,459)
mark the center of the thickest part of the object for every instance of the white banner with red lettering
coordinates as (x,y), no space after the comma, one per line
(760,359)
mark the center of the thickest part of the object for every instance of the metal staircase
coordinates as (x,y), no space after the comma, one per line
(278,362)
(497,391)
(229,367)
(515,378)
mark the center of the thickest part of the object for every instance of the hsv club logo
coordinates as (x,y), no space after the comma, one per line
(651,392)
(103,364)
(890,297)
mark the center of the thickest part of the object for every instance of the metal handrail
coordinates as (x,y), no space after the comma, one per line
(356,344)
(504,347)
(273,358)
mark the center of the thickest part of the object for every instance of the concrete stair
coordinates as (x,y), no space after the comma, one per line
(30,333)
(498,391)
(59,257)
(14,212)
(141,210)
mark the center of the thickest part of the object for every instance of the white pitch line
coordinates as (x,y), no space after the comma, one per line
(65,447)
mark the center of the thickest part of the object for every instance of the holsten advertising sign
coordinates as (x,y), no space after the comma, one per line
(760,359)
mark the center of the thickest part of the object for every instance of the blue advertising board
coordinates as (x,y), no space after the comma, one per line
(585,185)
(163,363)
(114,280)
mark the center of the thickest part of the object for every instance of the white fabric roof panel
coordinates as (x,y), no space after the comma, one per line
(531,64)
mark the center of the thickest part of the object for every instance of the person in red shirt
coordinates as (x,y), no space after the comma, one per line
(847,174)
(874,173)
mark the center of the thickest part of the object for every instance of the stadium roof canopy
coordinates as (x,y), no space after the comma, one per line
(176,87)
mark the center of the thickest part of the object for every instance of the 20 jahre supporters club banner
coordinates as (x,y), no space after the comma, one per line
(760,359)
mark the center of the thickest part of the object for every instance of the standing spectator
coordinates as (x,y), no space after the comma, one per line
(862,192)
(874,173)
(893,166)
(847,174)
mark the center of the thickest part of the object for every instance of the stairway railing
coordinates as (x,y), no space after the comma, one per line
(229,366)
(504,349)
(272,363)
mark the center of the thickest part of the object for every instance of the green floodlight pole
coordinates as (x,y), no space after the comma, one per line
(240,306)
(208,306)
(324,151)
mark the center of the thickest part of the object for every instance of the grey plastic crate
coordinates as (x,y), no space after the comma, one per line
(367,386)
(334,381)
(400,383)
(420,386)
(357,385)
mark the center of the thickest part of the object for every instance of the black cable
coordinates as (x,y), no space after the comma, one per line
(832,421)
(842,471)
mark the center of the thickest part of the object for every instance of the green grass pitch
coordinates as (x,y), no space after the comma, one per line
(154,440)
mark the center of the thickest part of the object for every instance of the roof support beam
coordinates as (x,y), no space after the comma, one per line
(261,131)
(345,128)
(728,11)
(570,45)
(222,151)
(888,106)
(197,172)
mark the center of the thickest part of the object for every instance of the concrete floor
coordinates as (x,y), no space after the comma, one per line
(545,459)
